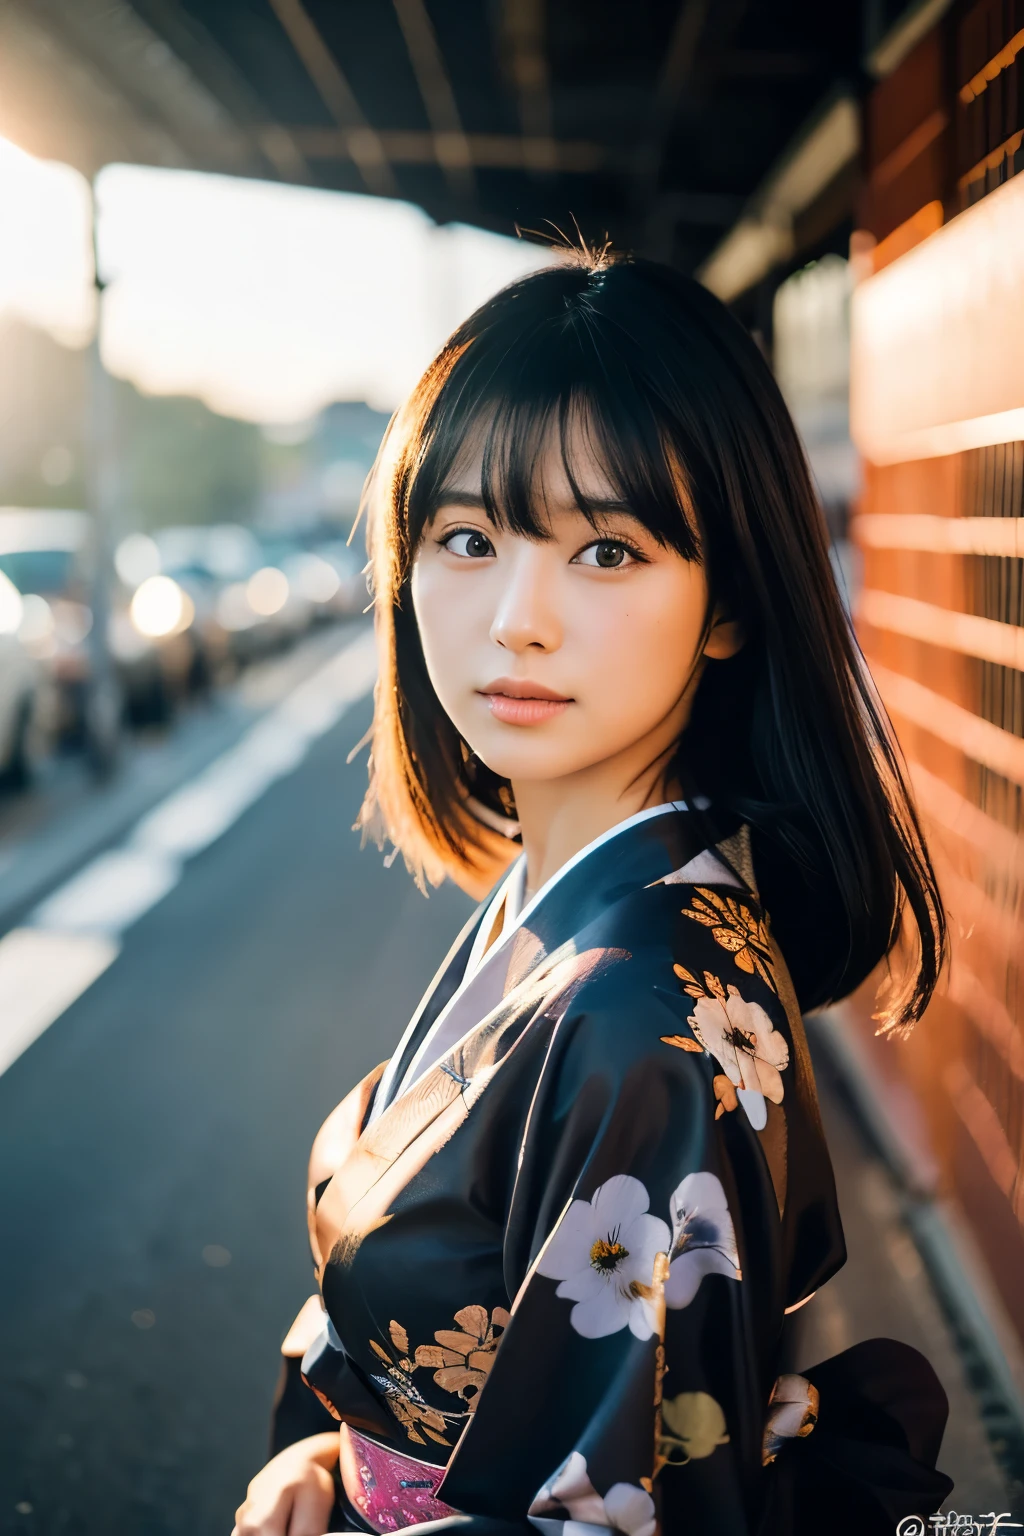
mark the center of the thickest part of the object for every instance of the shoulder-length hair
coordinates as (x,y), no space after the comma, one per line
(678,401)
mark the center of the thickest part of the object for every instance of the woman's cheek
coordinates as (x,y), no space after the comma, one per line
(435,620)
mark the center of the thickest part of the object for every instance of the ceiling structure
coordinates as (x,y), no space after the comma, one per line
(654,122)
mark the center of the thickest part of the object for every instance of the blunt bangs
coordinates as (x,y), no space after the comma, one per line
(512,390)
(646,373)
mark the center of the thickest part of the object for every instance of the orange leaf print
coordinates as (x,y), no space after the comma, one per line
(725,1093)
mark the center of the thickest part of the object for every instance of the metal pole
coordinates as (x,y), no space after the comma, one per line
(102,702)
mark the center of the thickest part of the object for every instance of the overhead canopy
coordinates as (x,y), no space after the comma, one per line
(676,127)
(654,120)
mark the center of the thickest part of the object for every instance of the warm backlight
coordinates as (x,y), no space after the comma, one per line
(938,337)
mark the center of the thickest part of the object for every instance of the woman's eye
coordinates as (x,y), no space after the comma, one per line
(468,543)
(606,554)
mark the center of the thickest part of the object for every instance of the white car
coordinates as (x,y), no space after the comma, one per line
(49,557)
(20,683)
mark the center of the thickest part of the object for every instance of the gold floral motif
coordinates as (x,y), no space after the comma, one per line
(462,1361)
(711,986)
(404,1399)
(726,1095)
(736,929)
(681,1042)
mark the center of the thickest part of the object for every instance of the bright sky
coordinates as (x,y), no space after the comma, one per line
(46,274)
(265,301)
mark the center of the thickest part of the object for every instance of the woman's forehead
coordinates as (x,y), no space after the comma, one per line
(551,484)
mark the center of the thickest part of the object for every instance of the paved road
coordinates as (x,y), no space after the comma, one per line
(169,1112)
(152,1154)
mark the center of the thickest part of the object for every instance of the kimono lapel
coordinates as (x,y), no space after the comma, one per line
(628,861)
(435,999)
(545,962)
(392,1149)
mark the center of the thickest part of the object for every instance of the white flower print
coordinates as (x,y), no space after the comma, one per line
(742,1038)
(603,1251)
(703,1238)
(626,1507)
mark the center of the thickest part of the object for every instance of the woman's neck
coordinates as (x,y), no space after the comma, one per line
(558,817)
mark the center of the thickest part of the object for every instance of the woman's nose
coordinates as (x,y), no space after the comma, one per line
(527,613)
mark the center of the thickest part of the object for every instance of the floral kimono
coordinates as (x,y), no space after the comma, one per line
(557,1236)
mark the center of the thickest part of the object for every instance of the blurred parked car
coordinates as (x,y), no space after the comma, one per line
(50,558)
(275,596)
(213,565)
(278,587)
(20,693)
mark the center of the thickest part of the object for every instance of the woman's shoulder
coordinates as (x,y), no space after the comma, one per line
(340,1131)
(695,920)
(690,966)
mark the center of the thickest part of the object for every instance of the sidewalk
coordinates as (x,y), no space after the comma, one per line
(884,1290)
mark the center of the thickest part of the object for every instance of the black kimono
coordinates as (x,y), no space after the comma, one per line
(555,1264)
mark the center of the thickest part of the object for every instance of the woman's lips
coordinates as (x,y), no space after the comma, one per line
(516,703)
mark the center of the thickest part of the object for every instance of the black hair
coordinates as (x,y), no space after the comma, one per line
(682,410)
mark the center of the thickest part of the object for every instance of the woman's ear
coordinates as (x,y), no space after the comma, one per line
(725,639)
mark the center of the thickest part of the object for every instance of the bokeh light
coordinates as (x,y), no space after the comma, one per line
(267,591)
(136,559)
(161,607)
(38,626)
(313,577)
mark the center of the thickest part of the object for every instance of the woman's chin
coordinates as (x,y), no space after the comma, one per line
(532,758)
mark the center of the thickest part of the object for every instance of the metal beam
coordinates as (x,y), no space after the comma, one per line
(523,29)
(678,81)
(494,151)
(130,63)
(889,51)
(364,147)
(194,45)
(672,81)
(451,149)
(678,66)
(764,236)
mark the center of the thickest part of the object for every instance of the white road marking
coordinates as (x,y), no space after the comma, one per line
(75,933)
(41,974)
(193,817)
(109,894)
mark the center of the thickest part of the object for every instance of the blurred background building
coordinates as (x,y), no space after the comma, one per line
(232,232)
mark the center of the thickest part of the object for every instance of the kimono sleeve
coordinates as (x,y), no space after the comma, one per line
(644,1255)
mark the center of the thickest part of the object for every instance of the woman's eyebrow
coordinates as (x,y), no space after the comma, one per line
(454,498)
(607,505)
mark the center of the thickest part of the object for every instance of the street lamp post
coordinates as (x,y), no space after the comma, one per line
(102,704)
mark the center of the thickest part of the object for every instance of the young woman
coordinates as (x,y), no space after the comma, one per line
(557,1234)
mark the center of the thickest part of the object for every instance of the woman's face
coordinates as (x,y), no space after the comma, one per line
(553,656)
